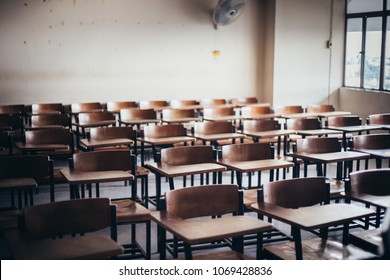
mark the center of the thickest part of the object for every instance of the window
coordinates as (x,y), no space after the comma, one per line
(367,52)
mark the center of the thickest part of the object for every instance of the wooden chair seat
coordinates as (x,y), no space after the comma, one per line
(81,247)
(129,211)
(141,171)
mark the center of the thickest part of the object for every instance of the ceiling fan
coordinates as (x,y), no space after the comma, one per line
(227,11)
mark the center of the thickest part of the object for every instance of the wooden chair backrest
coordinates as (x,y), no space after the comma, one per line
(137,114)
(213,127)
(201,201)
(56,119)
(372,141)
(187,155)
(296,192)
(10,122)
(67,217)
(379,118)
(318,145)
(182,103)
(103,161)
(210,102)
(291,109)
(303,124)
(104,133)
(177,113)
(85,107)
(26,166)
(62,136)
(340,121)
(218,112)
(162,131)
(246,152)
(253,111)
(47,107)
(12,109)
(260,125)
(91,117)
(320,108)
(372,182)
(240,101)
(118,105)
(150,104)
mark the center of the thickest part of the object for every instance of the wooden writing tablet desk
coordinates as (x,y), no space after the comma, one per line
(76,178)
(94,144)
(313,217)
(171,171)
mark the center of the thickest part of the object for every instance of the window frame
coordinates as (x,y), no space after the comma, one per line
(384,14)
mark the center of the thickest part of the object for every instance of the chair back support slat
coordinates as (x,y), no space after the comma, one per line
(290,109)
(303,124)
(201,201)
(372,141)
(47,107)
(56,119)
(318,145)
(240,101)
(67,217)
(162,131)
(182,103)
(297,192)
(379,118)
(18,109)
(340,121)
(117,106)
(218,112)
(253,111)
(321,108)
(177,113)
(102,161)
(104,133)
(60,136)
(210,102)
(247,152)
(138,114)
(213,127)
(372,182)
(10,122)
(151,104)
(85,107)
(95,117)
(187,155)
(30,166)
(260,125)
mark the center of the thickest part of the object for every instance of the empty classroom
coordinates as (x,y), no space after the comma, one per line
(194,130)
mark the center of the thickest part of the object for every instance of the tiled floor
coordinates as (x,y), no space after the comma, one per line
(119,190)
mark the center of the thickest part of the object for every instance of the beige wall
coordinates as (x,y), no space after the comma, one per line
(302,60)
(102,50)
(364,102)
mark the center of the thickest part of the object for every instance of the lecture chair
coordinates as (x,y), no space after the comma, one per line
(66,230)
(207,215)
